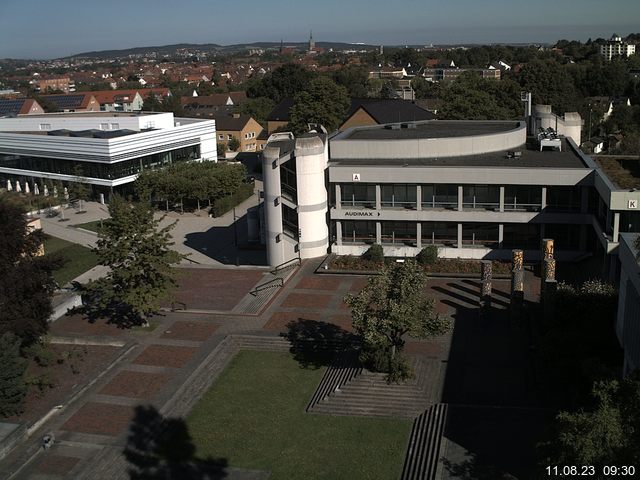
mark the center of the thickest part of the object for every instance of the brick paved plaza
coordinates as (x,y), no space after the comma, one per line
(488,363)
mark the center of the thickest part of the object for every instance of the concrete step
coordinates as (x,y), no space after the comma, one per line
(347,392)
(423,453)
(365,411)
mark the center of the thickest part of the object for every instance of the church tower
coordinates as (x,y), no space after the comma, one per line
(312,42)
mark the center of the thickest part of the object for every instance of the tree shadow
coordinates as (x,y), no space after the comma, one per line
(228,245)
(161,448)
(315,344)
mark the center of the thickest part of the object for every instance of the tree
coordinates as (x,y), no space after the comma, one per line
(393,305)
(258,108)
(608,434)
(140,259)
(354,79)
(470,97)
(26,283)
(13,388)
(79,188)
(234,144)
(550,84)
(284,81)
(322,102)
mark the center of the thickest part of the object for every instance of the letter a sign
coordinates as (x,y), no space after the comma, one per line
(356,177)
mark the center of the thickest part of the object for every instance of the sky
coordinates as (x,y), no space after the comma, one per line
(51,29)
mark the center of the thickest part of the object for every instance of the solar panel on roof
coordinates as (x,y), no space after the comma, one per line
(67,101)
(11,107)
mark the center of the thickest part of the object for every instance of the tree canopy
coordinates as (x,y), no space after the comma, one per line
(470,97)
(284,81)
(322,102)
(194,181)
(12,368)
(393,305)
(139,256)
(26,282)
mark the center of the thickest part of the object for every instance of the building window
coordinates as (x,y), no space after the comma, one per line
(104,126)
(480,234)
(563,199)
(399,233)
(521,235)
(45,126)
(358,195)
(439,233)
(115,126)
(399,196)
(522,198)
(229,137)
(358,232)
(221,137)
(483,197)
(440,196)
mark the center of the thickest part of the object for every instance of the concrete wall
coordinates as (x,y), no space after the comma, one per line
(628,319)
(86,121)
(430,147)
(570,125)
(311,163)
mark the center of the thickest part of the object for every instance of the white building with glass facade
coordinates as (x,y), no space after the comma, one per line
(110,148)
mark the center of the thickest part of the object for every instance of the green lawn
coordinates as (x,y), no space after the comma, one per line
(79,258)
(254,417)
(93,226)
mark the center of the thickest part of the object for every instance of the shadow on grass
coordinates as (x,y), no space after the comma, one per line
(161,448)
(316,344)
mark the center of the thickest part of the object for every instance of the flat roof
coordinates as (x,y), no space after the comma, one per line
(87,114)
(531,157)
(429,129)
(623,171)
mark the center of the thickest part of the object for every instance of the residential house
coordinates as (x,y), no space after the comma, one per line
(242,127)
(376,111)
(19,106)
(74,102)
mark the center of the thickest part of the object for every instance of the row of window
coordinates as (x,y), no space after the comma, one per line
(100,170)
(487,197)
(473,234)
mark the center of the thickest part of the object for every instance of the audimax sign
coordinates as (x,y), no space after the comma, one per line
(359,213)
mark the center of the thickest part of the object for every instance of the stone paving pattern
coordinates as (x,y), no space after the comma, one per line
(488,366)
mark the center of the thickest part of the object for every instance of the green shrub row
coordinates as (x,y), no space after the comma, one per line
(224,204)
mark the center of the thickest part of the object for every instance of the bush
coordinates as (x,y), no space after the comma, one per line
(224,204)
(377,358)
(375,253)
(428,255)
(41,353)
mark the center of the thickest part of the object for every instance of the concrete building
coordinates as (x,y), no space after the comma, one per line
(615,47)
(475,189)
(111,148)
(628,321)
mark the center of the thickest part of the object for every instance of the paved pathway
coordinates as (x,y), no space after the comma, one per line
(164,368)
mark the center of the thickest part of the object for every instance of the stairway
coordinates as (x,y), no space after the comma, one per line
(423,454)
(368,394)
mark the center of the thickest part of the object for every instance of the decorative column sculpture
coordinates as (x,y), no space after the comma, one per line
(517,281)
(486,274)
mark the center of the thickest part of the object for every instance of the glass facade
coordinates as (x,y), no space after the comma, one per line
(107,171)
(565,237)
(480,234)
(358,195)
(289,222)
(521,235)
(440,196)
(288,180)
(523,198)
(399,195)
(439,233)
(398,232)
(563,199)
(358,232)
(484,197)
